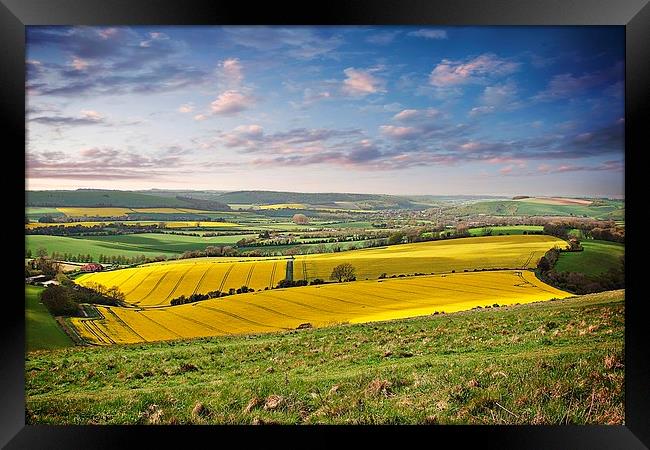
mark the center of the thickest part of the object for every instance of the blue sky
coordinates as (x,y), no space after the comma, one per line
(398,110)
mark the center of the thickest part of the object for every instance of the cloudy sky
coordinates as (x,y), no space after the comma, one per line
(400,110)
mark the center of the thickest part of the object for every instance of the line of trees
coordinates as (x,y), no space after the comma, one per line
(64,299)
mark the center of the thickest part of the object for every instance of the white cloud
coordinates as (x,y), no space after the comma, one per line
(479,110)
(395,132)
(383,38)
(500,94)
(450,73)
(91,115)
(79,64)
(416,114)
(429,34)
(186,108)
(231,70)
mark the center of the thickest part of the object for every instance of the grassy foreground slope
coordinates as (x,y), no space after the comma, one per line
(41,330)
(553,362)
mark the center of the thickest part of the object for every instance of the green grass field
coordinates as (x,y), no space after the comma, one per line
(597,257)
(34,213)
(514,229)
(148,244)
(41,330)
(554,362)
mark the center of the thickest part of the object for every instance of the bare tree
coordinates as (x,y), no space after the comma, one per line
(343,272)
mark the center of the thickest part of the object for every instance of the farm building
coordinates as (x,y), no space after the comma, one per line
(36,279)
(92,267)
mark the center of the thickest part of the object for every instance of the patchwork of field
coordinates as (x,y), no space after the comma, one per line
(491,252)
(115,211)
(557,201)
(170,224)
(323,305)
(525,207)
(157,284)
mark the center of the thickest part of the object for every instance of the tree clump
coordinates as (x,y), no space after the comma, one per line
(343,272)
(300,219)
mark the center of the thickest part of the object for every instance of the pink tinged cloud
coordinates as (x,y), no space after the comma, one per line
(506,170)
(451,73)
(361,82)
(108,33)
(416,114)
(471,146)
(231,69)
(231,102)
(186,108)
(406,114)
(394,132)
(92,115)
(79,64)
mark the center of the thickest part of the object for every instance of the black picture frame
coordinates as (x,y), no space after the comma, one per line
(633,14)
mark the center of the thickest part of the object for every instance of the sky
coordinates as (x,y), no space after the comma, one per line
(382,109)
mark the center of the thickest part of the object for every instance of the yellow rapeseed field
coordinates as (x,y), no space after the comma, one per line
(169,210)
(490,252)
(158,283)
(323,305)
(189,223)
(284,206)
(95,212)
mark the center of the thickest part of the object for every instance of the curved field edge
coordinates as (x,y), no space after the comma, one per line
(557,362)
(455,255)
(320,306)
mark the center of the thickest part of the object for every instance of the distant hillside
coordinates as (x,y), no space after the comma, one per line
(599,209)
(125,199)
(364,201)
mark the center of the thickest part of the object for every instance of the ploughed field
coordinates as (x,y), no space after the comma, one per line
(320,306)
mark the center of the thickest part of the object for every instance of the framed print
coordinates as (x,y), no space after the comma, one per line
(361,218)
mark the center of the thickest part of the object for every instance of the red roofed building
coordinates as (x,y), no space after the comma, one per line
(92,267)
